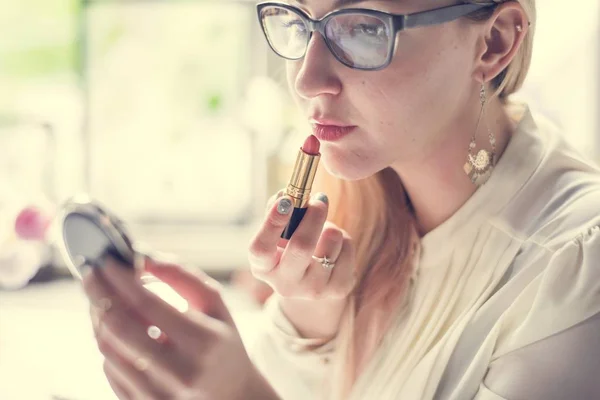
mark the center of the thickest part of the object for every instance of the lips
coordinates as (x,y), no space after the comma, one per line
(330,130)
(331,133)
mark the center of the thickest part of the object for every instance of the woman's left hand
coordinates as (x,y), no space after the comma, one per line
(200,356)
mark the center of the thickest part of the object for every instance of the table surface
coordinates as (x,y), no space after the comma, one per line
(47,348)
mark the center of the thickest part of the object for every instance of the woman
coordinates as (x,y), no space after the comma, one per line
(463,231)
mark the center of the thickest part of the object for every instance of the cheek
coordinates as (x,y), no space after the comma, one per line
(344,163)
(421,85)
(363,155)
(292,68)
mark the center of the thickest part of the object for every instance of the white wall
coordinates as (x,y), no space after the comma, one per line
(564,79)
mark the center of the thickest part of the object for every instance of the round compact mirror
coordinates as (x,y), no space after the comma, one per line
(89,231)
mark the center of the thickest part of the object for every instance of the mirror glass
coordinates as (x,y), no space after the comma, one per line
(85,241)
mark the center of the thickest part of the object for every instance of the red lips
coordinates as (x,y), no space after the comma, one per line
(330,133)
(330,129)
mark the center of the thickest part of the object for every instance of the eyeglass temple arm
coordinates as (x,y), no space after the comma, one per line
(441,15)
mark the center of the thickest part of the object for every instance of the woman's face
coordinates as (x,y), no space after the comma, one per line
(402,112)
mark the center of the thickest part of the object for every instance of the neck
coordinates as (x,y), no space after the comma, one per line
(437,184)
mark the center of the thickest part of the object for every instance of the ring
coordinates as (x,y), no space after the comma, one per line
(141,364)
(325,262)
(154,332)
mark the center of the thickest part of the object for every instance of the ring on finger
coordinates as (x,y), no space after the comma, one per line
(325,262)
(154,332)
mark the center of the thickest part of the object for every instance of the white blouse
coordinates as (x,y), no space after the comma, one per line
(505,299)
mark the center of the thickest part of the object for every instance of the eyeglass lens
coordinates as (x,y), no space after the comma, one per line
(357,40)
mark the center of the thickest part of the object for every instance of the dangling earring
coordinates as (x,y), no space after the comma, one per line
(479,167)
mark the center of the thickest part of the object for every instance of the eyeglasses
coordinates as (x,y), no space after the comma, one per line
(361,39)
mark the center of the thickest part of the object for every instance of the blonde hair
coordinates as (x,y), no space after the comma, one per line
(377,214)
(512,78)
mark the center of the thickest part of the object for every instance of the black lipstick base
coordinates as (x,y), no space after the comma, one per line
(297,216)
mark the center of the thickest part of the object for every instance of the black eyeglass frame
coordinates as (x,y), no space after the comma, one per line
(394,23)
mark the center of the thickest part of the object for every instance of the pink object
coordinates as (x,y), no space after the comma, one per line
(311,146)
(32,224)
(330,133)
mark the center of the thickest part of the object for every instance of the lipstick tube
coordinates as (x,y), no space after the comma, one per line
(299,188)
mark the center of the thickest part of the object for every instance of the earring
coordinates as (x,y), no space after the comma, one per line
(479,167)
(519,28)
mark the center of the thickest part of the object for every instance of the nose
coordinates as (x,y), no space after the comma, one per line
(316,75)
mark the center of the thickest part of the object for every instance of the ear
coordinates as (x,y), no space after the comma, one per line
(501,38)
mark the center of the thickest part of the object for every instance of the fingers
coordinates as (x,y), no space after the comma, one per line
(326,283)
(117,387)
(290,268)
(119,329)
(330,246)
(263,254)
(330,243)
(343,275)
(273,199)
(298,254)
(200,290)
(150,307)
(129,382)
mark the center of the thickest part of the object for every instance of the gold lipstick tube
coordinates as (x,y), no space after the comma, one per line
(299,188)
(302,179)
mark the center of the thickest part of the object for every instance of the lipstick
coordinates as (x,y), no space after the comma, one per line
(301,182)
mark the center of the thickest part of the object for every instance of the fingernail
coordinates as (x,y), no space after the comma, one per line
(84,269)
(285,206)
(322,197)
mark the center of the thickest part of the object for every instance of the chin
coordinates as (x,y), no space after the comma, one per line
(347,169)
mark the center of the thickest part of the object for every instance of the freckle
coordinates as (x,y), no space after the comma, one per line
(363,82)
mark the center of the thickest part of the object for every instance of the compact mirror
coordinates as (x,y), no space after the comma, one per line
(89,230)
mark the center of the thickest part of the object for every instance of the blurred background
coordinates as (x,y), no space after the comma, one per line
(175,115)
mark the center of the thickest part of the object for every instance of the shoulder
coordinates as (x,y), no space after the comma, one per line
(561,199)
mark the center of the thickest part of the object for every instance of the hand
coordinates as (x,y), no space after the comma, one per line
(308,288)
(200,354)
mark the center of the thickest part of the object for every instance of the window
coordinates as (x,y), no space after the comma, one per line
(167,148)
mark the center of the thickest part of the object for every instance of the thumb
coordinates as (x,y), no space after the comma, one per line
(200,290)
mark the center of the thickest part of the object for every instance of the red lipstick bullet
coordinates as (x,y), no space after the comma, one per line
(301,182)
(311,146)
